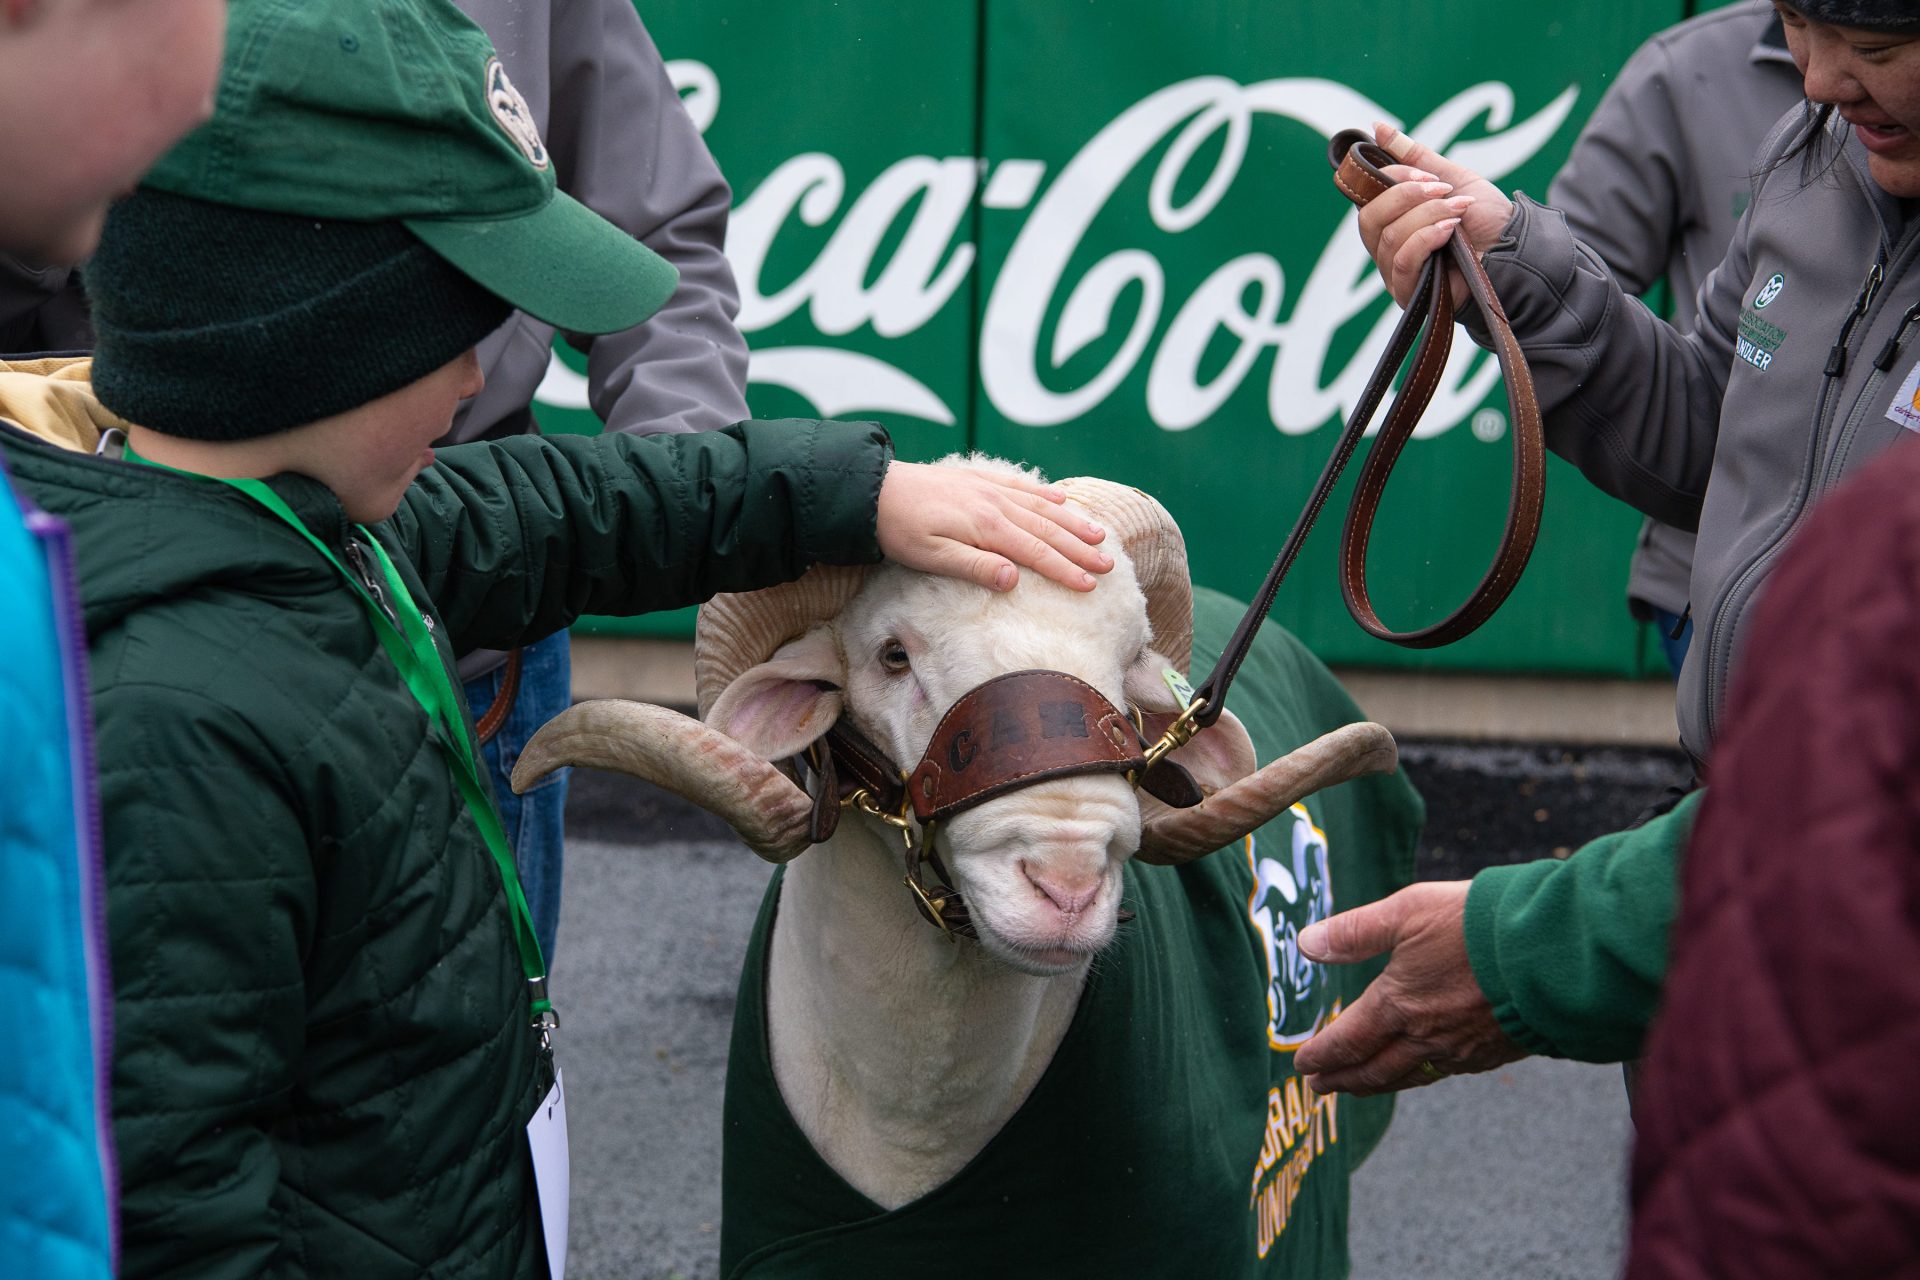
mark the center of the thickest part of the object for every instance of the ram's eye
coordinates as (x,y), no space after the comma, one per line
(893,656)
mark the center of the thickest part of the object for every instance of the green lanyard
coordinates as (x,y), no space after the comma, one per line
(411,647)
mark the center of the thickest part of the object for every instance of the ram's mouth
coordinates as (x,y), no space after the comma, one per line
(1041,962)
(1044,953)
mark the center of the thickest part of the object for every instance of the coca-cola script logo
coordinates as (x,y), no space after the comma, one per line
(1210,117)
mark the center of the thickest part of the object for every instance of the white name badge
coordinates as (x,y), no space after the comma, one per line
(547,1136)
(1905,408)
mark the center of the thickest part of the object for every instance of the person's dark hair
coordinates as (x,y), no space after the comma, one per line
(1813,145)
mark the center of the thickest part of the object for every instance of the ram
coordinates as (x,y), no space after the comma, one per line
(1015,1015)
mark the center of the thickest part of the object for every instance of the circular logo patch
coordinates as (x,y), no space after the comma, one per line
(1770,290)
(510,109)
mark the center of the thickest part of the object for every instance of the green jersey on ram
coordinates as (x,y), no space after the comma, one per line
(1171,1135)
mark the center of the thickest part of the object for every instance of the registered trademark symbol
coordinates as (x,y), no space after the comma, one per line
(1489,425)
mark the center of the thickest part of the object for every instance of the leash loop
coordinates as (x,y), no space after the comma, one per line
(1426,331)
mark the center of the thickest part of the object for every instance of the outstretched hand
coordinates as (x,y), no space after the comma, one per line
(984,526)
(1425,1017)
(1434,197)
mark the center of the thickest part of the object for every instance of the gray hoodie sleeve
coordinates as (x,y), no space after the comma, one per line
(624,146)
(1626,397)
(1623,187)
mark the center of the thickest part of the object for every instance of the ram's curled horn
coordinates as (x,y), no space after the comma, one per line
(1230,813)
(737,631)
(674,751)
(1159,554)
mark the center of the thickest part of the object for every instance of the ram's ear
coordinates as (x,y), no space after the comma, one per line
(777,708)
(1219,755)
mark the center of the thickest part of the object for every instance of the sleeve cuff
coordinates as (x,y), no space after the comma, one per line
(1572,954)
(1484,899)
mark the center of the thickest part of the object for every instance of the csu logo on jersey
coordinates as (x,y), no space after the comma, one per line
(1292,888)
(1757,341)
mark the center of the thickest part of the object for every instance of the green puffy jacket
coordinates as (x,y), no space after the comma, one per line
(323,1064)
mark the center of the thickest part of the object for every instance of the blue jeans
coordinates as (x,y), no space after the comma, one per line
(1676,650)
(536,821)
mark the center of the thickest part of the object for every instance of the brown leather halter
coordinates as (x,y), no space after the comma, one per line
(1009,732)
(1359,165)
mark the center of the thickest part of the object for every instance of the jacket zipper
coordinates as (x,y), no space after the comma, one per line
(1837,358)
(57,540)
(1891,351)
(1736,598)
(357,557)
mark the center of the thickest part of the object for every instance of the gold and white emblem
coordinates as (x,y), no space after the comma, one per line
(511,110)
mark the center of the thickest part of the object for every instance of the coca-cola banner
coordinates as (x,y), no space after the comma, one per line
(1101,236)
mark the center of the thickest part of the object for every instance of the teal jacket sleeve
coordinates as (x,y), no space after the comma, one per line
(1571,954)
(513,540)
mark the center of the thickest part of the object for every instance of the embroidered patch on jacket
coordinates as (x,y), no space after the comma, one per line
(1757,341)
(1905,408)
(511,110)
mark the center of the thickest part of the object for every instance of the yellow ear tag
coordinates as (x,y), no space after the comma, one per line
(1182,691)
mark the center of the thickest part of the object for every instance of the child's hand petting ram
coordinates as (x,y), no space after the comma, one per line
(983,526)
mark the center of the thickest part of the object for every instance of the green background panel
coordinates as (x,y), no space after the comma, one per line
(873,85)
(1058,74)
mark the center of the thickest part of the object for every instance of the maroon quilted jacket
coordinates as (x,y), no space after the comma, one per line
(1779,1111)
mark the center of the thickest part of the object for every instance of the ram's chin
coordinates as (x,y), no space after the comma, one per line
(1036,953)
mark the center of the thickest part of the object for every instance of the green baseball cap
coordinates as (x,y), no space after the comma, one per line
(400,111)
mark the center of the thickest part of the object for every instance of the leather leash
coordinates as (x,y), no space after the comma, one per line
(489,724)
(1358,164)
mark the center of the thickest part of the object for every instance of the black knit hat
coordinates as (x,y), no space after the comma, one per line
(1870,15)
(221,323)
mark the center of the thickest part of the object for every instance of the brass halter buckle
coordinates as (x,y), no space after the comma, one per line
(934,904)
(1177,735)
(933,908)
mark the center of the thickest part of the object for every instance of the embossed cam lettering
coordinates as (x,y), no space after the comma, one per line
(1007,730)
(960,751)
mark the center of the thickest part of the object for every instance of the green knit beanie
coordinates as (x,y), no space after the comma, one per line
(221,323)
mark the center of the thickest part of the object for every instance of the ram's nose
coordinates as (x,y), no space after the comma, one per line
(1070,890)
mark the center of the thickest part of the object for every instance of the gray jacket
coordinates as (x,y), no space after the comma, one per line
(1658,179)
(624,146)
(1801,366)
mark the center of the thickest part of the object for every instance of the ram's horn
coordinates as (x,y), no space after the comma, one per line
(1230,813)
(686,757)
(1159,554)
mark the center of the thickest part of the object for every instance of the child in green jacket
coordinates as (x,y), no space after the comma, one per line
(333,1029)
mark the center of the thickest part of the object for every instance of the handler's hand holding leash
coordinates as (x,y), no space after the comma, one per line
(1414,219)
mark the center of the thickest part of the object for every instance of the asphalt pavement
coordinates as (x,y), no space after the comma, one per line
(1518,1173)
